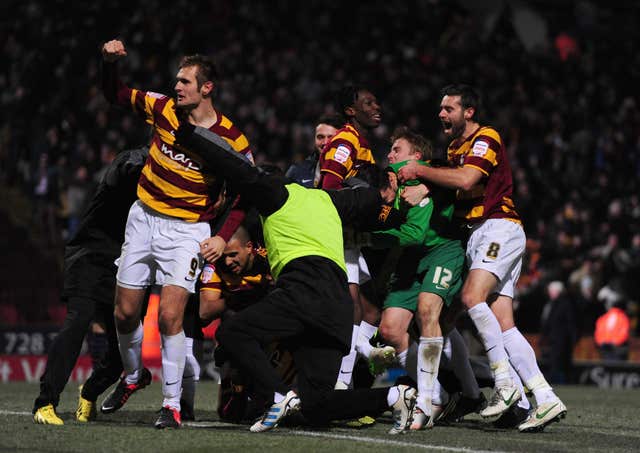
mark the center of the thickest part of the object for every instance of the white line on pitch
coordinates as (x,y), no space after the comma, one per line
(3,412)
(370,440)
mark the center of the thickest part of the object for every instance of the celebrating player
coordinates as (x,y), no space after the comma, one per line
(168,223)
(341,158)
(482,176)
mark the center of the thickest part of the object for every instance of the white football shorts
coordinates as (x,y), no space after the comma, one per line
(160,250)
(357,269)
(497,245)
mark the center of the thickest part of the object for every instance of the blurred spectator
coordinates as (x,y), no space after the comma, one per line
(559,334)
(612,331)
(107,155)
(46,199)
(568,108)
(78,193)
(566,46)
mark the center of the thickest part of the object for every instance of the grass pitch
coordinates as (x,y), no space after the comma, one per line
(598,420)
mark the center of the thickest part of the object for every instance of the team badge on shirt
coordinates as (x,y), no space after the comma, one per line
(342,154)
(480,148)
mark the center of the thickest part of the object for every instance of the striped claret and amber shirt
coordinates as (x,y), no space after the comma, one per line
(239,291)
(491,198)
(344,154)
(172,182)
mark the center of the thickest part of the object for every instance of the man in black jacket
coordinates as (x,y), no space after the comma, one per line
(89,282)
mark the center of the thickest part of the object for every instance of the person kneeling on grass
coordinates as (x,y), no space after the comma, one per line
(310,305)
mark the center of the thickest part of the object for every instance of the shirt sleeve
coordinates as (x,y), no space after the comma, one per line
(336,163)
(209,279)
(411,232)
(359,207)
(484,151)
(234,219)
(145,104)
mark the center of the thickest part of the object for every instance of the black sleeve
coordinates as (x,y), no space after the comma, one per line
(125,169)
(112,86)
(266,192)
(292,172)
(363,209)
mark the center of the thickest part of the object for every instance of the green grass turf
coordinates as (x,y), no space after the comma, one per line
(598,420)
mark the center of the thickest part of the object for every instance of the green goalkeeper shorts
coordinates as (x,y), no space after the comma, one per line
(438,271)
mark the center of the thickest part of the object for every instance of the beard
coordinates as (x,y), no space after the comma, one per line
(457,129)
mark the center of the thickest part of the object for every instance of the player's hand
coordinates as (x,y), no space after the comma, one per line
(113,50)
(413,195)
(408,172)
(212,248)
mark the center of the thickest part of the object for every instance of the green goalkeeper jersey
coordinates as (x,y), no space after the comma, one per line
(427,224)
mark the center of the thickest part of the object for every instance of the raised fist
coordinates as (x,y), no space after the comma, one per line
(113,50)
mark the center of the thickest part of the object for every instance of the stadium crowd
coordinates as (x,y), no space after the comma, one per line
(569,115)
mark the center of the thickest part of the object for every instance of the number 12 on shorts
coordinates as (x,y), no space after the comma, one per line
(442,277)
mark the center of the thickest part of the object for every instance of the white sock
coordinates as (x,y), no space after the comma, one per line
(524,401)
(191,374)
(392,395)
(491,335)
(457,356)
(349,361)
(173,359)
(365,334)
(524,361)
(429,351)
(408,359)
(130,345)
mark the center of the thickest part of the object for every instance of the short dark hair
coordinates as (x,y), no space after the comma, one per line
(417,141)
(469,97)
(207,68)
(347,97)
(241,234)
(333,120)
(271,169)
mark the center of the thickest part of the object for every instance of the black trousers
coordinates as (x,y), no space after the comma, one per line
(65,348)
(89,290)
(311,311)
